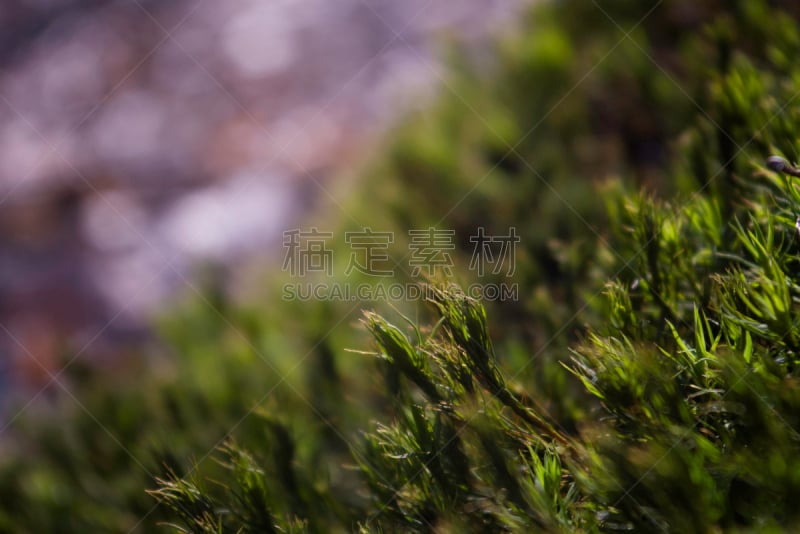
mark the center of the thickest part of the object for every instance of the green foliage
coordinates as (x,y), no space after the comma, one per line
(690,362)
(646,379)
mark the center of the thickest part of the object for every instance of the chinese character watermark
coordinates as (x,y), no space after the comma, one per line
(503,253)
(369,251)
(429,250)
(306,252)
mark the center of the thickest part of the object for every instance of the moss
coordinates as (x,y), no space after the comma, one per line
(645,379)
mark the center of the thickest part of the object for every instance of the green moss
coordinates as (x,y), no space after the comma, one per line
(646,379)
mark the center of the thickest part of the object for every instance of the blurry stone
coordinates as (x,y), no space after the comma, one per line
(138,139)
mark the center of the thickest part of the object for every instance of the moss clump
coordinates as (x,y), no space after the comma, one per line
(645,380)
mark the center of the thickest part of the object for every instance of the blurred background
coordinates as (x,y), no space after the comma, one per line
(140,139)
(152,153)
